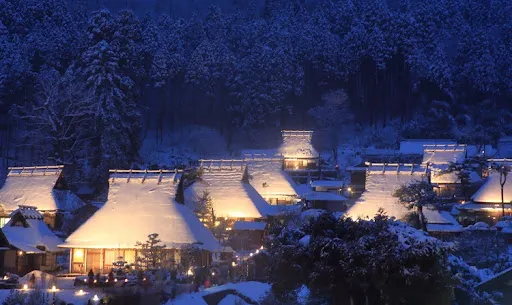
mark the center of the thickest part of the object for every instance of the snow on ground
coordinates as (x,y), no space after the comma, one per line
(69,296)
(232,300)
(253,290)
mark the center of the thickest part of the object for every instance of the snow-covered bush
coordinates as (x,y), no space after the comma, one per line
(342,261)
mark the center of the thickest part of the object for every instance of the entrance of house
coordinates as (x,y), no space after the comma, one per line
(93,262)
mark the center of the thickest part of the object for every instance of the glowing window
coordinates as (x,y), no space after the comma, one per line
(78,255)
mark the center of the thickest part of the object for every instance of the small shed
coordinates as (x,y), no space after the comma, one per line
(334,186)
(27,243)
(247,235)
(326,201)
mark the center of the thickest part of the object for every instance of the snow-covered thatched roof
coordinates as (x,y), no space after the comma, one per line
(490,192)
(27,232)
(231,196)
(440,177)
(266,175)
(297,144)
(327,183)
(443,154)
(441,221)
(415,146)
(381,181)
(34,186)
(323,196)
(142,203)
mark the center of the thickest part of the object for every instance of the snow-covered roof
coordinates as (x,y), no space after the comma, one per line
(268,178)
(297,144)
(325,196)
(36,234)
(249,226)
(231,196)
(441,222)
(34,186)
(395,168)
(440,177)
(472,206)
(379,194)
(142,203)
(327,183)
(415,146)
(490,192)
(444,154)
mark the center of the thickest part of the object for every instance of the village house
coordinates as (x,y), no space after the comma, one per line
(140,203)
(438,159)
(226,184)
(269,179)
(485,205)
(298,151)
(43,187)
(26,243)
(381,181)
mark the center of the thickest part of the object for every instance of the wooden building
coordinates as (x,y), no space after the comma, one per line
(27,243)
(227,183)
(140,203)
(298,151)
(43,187)
(247,235)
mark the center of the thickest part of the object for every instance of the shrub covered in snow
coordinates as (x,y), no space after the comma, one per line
(379,261)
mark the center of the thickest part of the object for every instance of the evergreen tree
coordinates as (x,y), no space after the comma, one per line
(417,195)
(152,255)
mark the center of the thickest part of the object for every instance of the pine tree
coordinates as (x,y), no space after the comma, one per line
(417,195)
(152,255)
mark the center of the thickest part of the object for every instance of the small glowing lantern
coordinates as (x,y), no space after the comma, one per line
(25,287)
(213,273)
(95,298)
(20,253)
(54,288)
(233,264)
(115,280)
(126,280)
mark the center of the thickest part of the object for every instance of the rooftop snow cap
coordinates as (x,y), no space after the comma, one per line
(35,186)
(227,183)
(490,192)
(297,144)
(443,154)
(266,175)
(32,237)
(140,203)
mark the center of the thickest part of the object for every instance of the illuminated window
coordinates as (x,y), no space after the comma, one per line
(3,221)
(78,255)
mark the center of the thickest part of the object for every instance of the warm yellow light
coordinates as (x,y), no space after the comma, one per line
(225,218)
(95,281)
(54,288)
(20,253)
(78,255)
(85,280)
(233,264)
(106,281)
(251,254)
(6,277)
(144,279)
(126,280)
(115,280)
(261,248)
(213,273)
(228,229)
(25,287)
(217,223)
(95,298)
(190,272)
(349,189)
(80,292)
(257,251)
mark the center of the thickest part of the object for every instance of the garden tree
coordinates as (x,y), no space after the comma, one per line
(204,209)
(342,261)
(463,172)
(437,123)
(332,115)
(417,195)
(189,256)
(484,249)
(503,170)
(58,123)
(152,254)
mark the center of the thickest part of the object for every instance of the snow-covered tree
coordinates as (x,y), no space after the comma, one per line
(417,195)
(332,115)
(152,254)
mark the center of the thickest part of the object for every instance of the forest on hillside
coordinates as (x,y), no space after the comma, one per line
(81,87)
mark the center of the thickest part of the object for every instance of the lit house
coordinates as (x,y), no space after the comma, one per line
(226,182)
(140,202)
(266,175)
(485,204)
(381,181)
(298,151)
(43,187)
(27,243)
(447,184)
